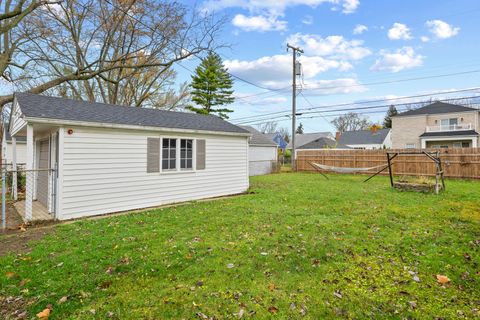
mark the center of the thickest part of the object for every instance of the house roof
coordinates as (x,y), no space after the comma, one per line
(320,143)
(363,137)
(450,133)
(45,107)
(304,138)
(436,108)
(259,138)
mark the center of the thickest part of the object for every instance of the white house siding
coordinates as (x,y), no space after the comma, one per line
(105,170)
(21,152)
(261,159)
(17,123)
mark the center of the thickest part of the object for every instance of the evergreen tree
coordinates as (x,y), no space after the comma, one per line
(299,129)
(212,87)
(392,111)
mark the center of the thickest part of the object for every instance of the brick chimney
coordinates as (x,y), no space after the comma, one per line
(337,135)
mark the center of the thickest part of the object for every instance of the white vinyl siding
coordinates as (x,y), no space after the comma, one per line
(104,171)
(261,159)
(21,152)
(17,122)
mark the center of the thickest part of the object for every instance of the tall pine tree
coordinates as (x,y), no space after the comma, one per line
(212,87)
(392,111)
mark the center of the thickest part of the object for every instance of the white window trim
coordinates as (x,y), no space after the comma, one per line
(410,144)
(177,169)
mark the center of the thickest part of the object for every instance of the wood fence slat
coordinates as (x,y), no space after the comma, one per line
(458,163)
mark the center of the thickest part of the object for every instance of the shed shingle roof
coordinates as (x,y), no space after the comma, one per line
(436,108)
(259,138)
(38,106)
(363,137)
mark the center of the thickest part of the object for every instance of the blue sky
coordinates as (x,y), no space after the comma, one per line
(347,45)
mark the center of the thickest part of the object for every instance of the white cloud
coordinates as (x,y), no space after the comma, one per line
(253,99)
(308,20)
(350,6)
(401,59)
(276,71)
(333,46)
(399,31)
(335,86)
(424,38)
(259,23)
(277,6)
(441,29)
(359,29)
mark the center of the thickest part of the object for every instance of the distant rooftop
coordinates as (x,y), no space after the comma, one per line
(304,138)
(363,137)
(259,138)
(437,108)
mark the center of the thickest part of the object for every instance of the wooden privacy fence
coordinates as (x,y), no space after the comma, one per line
(457,163)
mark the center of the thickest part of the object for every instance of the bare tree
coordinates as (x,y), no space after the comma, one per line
(268,127)
(283,131)
(12,13)
(109,50)
(351,122)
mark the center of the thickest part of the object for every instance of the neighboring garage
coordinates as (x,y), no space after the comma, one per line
(262,153)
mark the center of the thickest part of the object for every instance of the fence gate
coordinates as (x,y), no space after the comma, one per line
(43,192)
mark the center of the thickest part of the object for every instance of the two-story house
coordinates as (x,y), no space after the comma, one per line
(437,125)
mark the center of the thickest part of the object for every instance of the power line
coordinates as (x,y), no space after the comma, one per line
(396,81)
(323,112)
(362,102)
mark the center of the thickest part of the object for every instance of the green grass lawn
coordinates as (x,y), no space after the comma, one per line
(299,246)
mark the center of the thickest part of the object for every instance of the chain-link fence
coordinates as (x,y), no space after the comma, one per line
(27,195)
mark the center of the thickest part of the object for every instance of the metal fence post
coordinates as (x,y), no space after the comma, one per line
(4,211)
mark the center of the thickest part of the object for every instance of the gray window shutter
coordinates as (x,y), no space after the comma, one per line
(200,154)
(153,155)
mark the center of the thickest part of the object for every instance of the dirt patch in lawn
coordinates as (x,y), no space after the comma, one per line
(19,242)
(14,307)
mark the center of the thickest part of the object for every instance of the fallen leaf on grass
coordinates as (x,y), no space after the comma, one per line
(442,279)
(10,274)
(271,286)
(338,294)
(273,310)
(416,278)
(63,299)
(45,313)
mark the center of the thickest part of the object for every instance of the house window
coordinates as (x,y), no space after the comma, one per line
(186,154)
(457,144)
(410,146)
(465,144)
(449,123)
(169,154)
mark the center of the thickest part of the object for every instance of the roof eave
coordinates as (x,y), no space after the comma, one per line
(129,127)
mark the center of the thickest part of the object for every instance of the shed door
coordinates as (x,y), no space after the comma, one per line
(42,175)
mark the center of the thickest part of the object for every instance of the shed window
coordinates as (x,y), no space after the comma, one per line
(410,146)
(169,154)
(186,154)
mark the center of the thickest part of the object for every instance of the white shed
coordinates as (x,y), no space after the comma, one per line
(93,158)
(262,153)
(7,149)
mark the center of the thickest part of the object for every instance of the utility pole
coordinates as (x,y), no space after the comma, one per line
(295,51)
